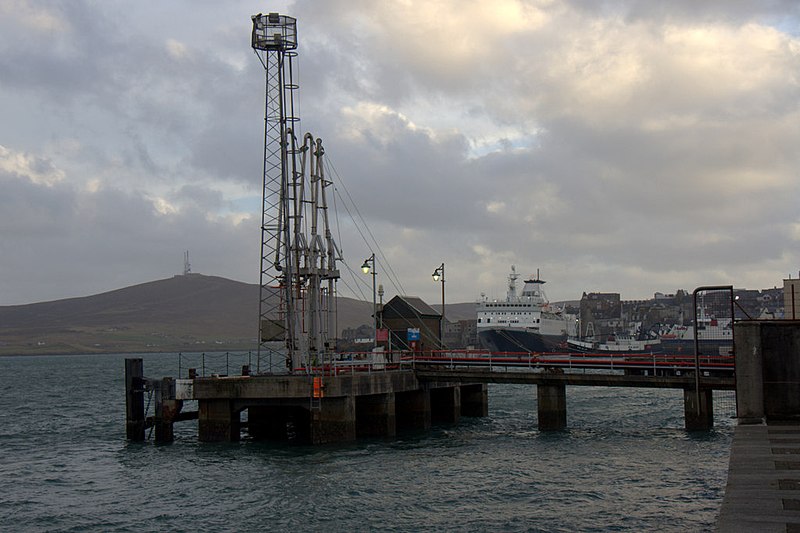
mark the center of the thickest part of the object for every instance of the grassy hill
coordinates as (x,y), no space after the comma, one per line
(183,313)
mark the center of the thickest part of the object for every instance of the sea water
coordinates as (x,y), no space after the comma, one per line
(625,463)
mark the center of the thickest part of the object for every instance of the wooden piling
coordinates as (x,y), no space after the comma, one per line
(167,409)
(698,410)
(134,400)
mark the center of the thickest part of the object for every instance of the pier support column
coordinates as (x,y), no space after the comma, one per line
(413,410)
(475,400)
(217,421)
(335,421)
(445,405)
(701,419)
(552,407)
(167,409)
(767,370)
(749,373)
(375,415)
(134,399)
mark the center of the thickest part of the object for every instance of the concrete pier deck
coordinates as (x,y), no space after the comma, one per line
(763,490)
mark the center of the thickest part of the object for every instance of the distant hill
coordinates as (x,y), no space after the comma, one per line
(192,312)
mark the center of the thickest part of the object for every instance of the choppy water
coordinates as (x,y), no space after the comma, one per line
(625,464)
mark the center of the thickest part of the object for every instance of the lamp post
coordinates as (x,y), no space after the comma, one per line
(438,275)
(380,304)
(369,263)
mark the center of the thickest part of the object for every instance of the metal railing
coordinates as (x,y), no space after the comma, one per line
(206,364)
(218,364)
(658,363)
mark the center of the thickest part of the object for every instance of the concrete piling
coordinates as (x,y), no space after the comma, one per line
(334,421)
(375,415)
(552,402)
(475,400)
(445,405)
(217,421)
(413,410)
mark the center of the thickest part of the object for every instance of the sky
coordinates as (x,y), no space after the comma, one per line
(619,146)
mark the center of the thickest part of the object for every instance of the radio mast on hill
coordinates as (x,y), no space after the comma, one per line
(298,258)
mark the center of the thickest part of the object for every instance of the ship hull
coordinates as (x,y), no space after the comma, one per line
(710,347)
(508,340)
(588,347)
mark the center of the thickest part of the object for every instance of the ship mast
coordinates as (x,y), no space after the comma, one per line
(511,295)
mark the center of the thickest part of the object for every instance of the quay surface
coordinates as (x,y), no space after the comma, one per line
(763,490)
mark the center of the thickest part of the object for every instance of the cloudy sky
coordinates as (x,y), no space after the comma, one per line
(619,145)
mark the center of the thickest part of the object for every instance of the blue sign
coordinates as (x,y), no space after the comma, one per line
(412,334)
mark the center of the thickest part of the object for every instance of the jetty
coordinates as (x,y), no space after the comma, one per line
(354,399)
(376,402)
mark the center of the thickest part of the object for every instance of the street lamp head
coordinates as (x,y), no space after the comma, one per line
(365,267)
(438,274)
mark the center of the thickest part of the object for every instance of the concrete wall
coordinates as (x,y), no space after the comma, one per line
(791,299)
(767,370)
(300,387)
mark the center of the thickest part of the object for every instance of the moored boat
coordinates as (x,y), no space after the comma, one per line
(714,336)
(619,343)
(522,322)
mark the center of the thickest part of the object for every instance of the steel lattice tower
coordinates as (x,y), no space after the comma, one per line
(298,267)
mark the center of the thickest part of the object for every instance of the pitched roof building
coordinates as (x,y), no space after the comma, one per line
(404,313)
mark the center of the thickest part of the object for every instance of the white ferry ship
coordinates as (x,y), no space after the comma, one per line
(523,322)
